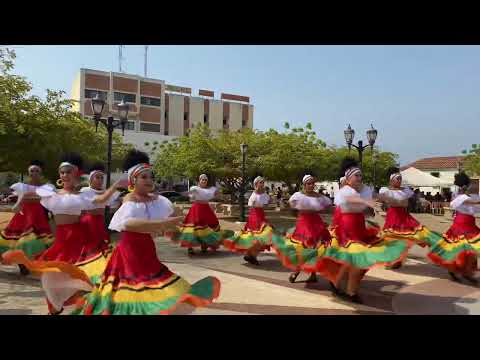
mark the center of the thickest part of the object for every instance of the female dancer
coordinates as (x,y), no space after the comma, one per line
(201,226)
(29,229)
(355,248)
(337,212)
(93,218)
(399,224)
(301,247)
(135,282)
(458,248)
(256,236)
(72,243)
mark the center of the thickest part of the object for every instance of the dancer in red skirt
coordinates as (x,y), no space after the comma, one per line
(399,224)
(134,281)
(29,229)
(72,243)
(256,235)
(355,248)
(298,250)
(94,217)
(457,250)
(201,227)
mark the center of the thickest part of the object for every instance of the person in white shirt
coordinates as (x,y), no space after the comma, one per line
(399,224)
(134,281)
(29,229)
(356,248)
(301,247)
(72,243)
(458,249)
(200,227)
(93,217)
(256,235)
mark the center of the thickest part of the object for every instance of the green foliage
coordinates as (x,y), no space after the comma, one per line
(281,156)
(471,164)
(32,128)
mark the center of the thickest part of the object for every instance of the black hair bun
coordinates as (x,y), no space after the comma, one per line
(461,179)
(135,157)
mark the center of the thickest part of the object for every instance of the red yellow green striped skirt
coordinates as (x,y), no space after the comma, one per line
(135,282)
(302,246)
(256,234)
(354,245)
(200,229)
(399,224)
(462,240)
(28,231)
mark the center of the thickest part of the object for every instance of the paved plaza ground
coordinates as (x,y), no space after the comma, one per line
(416,288)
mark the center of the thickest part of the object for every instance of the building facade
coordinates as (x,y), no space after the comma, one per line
(443,167)
(159,111)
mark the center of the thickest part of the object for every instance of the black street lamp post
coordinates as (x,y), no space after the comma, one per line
(371,136)
(110,124)
(243,148)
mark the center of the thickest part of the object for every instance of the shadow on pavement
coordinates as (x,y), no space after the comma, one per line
(266,265)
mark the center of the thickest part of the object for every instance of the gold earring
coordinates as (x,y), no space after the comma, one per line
(59,183)
(131,188)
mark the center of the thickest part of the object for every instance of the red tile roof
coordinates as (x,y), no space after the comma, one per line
(434,163)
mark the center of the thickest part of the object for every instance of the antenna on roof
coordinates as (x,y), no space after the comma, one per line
(145,64)
(120,57)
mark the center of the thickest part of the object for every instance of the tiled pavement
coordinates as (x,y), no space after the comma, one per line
(416,288)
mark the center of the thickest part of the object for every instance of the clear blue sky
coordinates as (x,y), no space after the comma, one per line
(424,100)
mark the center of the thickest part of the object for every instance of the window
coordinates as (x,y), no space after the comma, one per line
(435,173)
(205,118)
(166,115)
(244,123)
(185,116)
(165,132)
(90,94)
(145,100)
(150,127)
(119,96)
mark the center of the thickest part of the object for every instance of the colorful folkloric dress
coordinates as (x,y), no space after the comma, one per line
(461,240)
(303,245)
(28,230)
(354,244)
(257,232)
(93,217)
(72,243)
(399,224)
(135,282)
(201,226)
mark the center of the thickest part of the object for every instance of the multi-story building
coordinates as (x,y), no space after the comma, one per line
(159,111)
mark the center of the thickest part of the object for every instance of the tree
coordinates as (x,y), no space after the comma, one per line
(31,128)
(282,156)
(471,163)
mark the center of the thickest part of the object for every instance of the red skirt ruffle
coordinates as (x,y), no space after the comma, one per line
(32,217)
(72,245)
(201,215)
(256,220)
(135,260)
(463,227)
(95,226)
(352,228)
(398,219)
(310,230)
